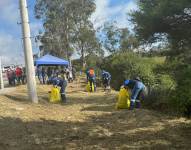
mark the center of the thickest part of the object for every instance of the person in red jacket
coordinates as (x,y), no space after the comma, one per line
(18,73)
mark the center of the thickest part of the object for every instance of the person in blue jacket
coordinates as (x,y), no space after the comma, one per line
(87,75)
(62,83)
(137,87)
(106,78)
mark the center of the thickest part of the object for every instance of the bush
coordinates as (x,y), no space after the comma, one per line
(168,82)
(129,65)
(92,60)
(160,94)
(181,98)
(153,72)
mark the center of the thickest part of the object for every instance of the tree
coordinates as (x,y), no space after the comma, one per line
(117,39)
(128,42)
(86,43)
(84,40)
(156,19)
(57,25)
(67,27)
(111,37)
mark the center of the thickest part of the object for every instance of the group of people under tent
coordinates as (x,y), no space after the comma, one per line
(47,73)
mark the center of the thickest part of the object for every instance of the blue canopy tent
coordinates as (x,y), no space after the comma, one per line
(51,60)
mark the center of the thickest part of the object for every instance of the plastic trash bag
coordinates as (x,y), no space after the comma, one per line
(88,88)
(54,96)
(123,99)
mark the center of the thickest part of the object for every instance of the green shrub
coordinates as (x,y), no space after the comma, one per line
(181,98)
(169,82)
(160,94)
(152,71)
(129,65)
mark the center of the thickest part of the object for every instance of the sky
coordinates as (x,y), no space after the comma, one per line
(11,49)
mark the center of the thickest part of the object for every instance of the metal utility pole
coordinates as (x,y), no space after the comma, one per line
(29,62)
(1,76)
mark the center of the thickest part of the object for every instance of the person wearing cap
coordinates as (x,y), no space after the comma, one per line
(137,87)
(106,78)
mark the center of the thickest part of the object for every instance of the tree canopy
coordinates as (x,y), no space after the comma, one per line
(67,27)
(170,18)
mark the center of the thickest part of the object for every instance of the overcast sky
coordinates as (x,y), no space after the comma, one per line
(11,49)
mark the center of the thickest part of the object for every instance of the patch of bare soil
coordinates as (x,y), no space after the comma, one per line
(88,121)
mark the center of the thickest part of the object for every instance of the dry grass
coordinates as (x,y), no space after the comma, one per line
(87,121)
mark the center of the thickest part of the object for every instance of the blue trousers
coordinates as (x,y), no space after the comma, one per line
(135,93)
(63,87)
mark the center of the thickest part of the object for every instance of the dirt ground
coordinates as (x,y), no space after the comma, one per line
(88,121)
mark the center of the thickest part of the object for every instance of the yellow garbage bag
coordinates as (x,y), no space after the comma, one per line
(88,87)
(92,87)
(54,96)
(123,100)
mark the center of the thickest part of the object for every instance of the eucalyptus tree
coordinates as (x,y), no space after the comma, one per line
(67,27)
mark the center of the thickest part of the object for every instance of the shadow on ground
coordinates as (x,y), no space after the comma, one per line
(18,98)
(113,131)
(88,121)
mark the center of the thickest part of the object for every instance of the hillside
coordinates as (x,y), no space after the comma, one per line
(87,121)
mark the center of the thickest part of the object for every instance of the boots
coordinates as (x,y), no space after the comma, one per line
(138,104)
(63,97)
(132,105)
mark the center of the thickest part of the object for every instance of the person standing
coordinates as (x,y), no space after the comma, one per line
(87,75)
(106,79)
(70,76)
(18,73)
(92,79)
(13,77)
(63,86)
(49,72)
(67,73)
(43,73)
(9,76)
(74,73)
(39,73)
(23,75)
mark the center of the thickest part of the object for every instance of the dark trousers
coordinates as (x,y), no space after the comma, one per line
(43,80)
(63,86)
(13,81)
(106,82)
(23,79)
(18,79)
(9,81)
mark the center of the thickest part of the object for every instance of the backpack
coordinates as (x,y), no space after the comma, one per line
(91,72)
